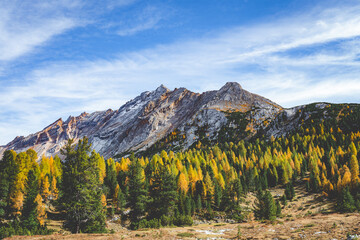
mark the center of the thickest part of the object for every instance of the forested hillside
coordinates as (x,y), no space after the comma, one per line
(207,181)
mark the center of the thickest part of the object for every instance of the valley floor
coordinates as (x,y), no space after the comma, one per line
(308,216)
(320,226)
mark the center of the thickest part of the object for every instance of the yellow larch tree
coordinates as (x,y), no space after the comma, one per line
(346,179)
(182,183)
(41,210)
(354,169)
(54,189)
(45,188)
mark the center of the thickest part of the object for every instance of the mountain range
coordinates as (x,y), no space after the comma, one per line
(175,119)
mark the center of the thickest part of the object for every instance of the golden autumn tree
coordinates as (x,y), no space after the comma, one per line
(41,210)
(354,169)
(45,188)
(346,179)
(54,189)
(18,187)
(209,186)
(182,183)
(115,199)
(102,168)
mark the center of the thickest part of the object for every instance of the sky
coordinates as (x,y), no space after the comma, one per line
(64,57)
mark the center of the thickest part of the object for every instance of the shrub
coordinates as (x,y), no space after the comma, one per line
(14,228)
(153,223)
(166,221)
(185,234)
(183,220)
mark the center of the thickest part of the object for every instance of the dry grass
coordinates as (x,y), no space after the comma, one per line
(321,226)
(308,216)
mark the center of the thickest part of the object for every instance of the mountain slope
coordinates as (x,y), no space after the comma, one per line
(143,121)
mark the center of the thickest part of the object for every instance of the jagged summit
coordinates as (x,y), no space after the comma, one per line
(231,85)
(232,97)
(59,121)
(152,115)
(162,89)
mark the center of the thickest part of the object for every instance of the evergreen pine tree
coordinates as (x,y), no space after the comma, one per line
(265,207)
(198,203)
(193,206)
(289,191)
(238,189)
(292,190)
(119,199)
(270,207)
(259,210)
(29,215)
(181,203)
(346,201)
(217,195)
(138,198)
(81,189)
(110,178)
(278,208)
(8,171)
(163,194)
(188,206)
(307,186)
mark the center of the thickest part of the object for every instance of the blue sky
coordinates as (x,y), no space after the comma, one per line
(63,57)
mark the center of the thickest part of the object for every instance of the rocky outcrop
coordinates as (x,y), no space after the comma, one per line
(141,122)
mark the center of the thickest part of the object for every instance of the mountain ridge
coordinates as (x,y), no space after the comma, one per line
(153,115)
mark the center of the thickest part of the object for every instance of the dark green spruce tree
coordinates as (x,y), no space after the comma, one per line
(188,206)
(138,197)
(110,178)
(227,198)
(8,171)
(163,194)
(259,210)
(289,191)
(238,189)
(270,207)
(278,208)
(217,195)
(121,201)
(265,207)
(81,187)
(346,202)
(29,215)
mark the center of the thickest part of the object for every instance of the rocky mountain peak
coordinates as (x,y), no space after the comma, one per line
(58,122)
(162,89)
(144,120)
(231,86)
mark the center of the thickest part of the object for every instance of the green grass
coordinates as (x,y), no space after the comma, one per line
(309,225)
(185,234)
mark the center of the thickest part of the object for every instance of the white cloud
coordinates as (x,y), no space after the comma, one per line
(25,25)
(148,18)
(260,57)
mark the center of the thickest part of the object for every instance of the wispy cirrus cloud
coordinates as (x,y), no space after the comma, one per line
(25,25)
(293,60)
(148,18)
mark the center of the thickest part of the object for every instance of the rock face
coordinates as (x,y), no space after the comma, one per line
(151,116)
